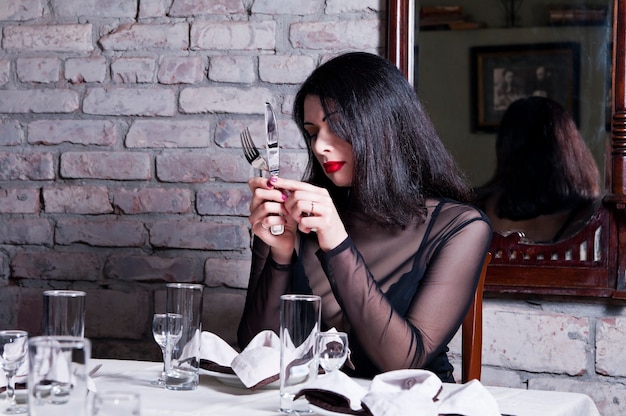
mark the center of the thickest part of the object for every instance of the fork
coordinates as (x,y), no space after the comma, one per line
(251,152)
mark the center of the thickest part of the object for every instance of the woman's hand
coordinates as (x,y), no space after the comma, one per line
(267,209)
(312,209)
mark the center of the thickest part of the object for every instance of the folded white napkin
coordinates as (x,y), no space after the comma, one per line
(400,393)
(256,366)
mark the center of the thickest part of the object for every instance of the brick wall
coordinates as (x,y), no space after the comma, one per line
(120,162)
(121,170)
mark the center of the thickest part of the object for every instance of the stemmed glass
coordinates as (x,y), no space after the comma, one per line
(13,350)
(167,328)
(332,350)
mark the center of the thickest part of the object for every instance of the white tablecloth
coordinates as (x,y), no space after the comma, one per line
(213,397)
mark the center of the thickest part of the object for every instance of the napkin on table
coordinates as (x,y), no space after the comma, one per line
(399,393)
(256,366)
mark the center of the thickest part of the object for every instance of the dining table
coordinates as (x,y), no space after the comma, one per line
(223,394)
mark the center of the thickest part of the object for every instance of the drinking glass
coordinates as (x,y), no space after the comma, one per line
(167,328)
(332,350)
(57,375)
(13,350)
(116,403)
(300,317)
(64,312)
(182,361)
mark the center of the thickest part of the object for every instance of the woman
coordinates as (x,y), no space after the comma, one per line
(375,229)
(546,182)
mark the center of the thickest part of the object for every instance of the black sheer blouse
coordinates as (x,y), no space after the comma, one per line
(401,294)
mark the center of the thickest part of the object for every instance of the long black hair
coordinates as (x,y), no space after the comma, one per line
(399,160)
(543,165)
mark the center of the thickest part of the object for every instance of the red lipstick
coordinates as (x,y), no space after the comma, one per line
(332,167)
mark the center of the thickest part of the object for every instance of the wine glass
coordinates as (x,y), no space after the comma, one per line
(167,328)
(13,350)
(332,350)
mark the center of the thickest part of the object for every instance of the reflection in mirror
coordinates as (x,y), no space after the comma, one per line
(450,83)
(546,182)
(444,74)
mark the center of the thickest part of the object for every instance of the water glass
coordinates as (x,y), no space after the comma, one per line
(332,350)
(64,312)
(13,352)
(57,376)
(183,364)
(116,403)
(167,328)
(300,317)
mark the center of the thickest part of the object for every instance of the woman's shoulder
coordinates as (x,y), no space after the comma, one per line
(448,210)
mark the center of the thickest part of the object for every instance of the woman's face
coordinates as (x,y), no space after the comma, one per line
(330,150)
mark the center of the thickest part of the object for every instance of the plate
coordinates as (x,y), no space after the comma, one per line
(233,381)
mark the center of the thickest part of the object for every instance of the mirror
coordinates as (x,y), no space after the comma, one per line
(591,263)
(534,44)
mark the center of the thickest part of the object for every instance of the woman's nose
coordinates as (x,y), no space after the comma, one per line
(322,143)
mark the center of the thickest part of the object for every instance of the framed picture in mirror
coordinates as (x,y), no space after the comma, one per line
(502,74)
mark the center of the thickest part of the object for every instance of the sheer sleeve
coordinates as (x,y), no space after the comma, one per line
(268,280)
(393,339)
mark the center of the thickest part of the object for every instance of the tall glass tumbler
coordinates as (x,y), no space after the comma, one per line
(300,317)
(64,313)
(57,376)
(183,362)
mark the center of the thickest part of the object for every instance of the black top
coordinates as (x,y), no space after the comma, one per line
(401,294)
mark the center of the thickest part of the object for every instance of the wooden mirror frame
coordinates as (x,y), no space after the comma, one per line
(589,265)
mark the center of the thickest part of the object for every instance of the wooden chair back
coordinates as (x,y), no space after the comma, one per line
(472,332)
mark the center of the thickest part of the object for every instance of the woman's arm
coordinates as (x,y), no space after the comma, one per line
(268,280)
(393,341)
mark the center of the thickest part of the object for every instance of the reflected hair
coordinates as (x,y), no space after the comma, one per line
(399,160)
(543,165)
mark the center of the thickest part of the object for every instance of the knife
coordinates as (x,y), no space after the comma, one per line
(273,154)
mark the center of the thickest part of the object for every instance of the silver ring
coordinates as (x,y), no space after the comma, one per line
(312,207)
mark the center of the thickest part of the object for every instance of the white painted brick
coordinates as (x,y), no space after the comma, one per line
(224,100)
(41,70)
(533,341)
(11,133)
(227,272)
(38,101)
(133,70)
(5,71)
(338,35)
(350,6)
(21,9)
(610,342)
(131,37)
(153,8)
(233,35)
(500,377)
(92,69)
(227,133)
(95,8)
(184,8)
(181,70)
(610,398)
(280,69)
(85,132)
(47,38)
(125,101)
(169,134)
(228,68)
(294,7)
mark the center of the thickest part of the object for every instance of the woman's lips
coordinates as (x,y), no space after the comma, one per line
(332,167)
